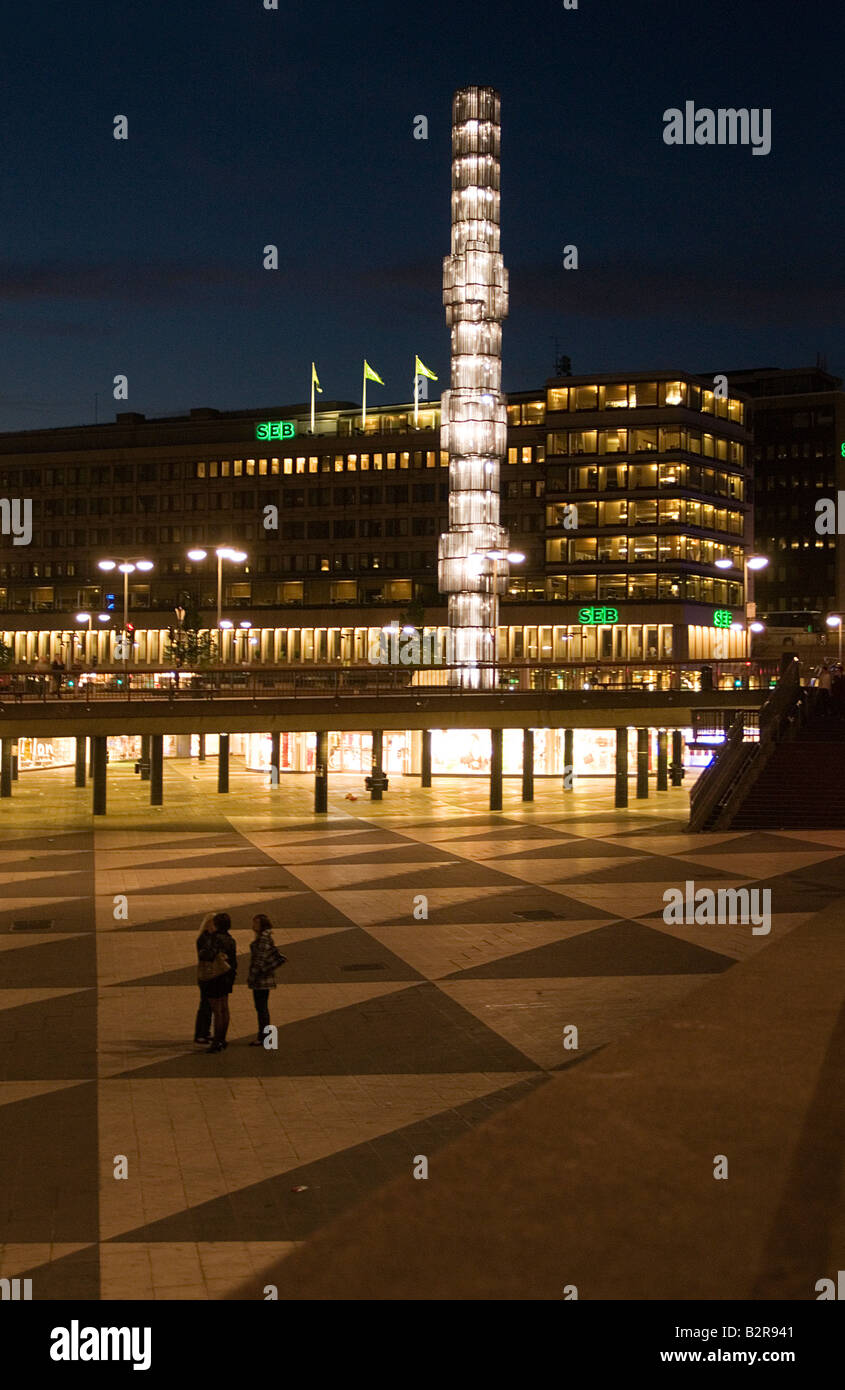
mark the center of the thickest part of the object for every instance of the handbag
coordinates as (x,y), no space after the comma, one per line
(210,969)
(278,959)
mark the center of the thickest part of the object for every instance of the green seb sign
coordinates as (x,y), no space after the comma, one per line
(275,429)
(589,617)
(723,617)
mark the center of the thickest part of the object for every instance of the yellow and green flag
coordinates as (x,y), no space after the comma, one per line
(423,370)
(315,380)
(370,375)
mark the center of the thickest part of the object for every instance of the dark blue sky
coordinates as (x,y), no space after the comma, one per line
(294,126)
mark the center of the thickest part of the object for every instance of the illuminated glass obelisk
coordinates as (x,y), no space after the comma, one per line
(473,566)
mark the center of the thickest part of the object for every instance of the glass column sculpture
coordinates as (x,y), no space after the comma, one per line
(472,557)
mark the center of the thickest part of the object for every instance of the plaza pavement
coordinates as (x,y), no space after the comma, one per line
(397,1035)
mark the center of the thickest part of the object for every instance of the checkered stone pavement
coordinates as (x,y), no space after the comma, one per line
(396,1032)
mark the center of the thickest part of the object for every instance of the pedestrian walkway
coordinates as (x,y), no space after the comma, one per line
(436,953)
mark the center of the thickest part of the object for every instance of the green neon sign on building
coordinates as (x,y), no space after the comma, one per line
(589,617)
(275,429)
(723,617)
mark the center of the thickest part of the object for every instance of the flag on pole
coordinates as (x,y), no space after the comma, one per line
(423,370)
(315,386)
(420,369)
(369,375)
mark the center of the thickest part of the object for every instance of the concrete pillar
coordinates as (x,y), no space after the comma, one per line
(201,755)
(183,745)
(676,769)
(79,774)
(622,767)
(15,761)
(642,763)
(662,750)
(5,767)
(495,769)
(568,760)
(376,763)
(321,774)
(145,757)
(90,757)
(156,769)
(99,758)
(223,763)
(425,766)
(275,758)
(528,764)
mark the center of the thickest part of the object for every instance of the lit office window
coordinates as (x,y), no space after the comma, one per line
(616,396)
(673,393)
(643,393)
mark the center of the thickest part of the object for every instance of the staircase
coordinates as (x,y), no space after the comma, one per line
(794,778)
(802,786)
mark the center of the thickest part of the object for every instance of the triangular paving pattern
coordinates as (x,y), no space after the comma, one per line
(272,1208)
(621,948)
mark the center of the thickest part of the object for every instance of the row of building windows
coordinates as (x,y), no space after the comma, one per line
(624,477)
(635,395)
(818,450)
(646,511)
(650,439)
(612,588)
(247,500)
(610,550)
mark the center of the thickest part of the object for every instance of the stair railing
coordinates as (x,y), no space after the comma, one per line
(725,782)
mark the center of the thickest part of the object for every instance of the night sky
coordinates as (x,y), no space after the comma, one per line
(295,126)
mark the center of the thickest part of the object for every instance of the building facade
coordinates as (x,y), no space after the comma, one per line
(798,458)
(621,491)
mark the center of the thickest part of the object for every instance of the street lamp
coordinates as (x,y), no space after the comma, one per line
(223,552)
(835,620)
(125,567)
(88,618)
(750,564)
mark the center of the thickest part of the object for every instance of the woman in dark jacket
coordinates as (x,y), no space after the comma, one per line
(217,991)
(265,959)
(202,1027)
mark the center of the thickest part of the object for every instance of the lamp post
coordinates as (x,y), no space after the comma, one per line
(125,567)
(180,618)
(223,552)
(751,563)
(87,618)
(488,575)
(245,629)
(835,620)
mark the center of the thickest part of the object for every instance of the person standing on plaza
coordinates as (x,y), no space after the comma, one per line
(202,1026)
(265,959)
(217,968)
(58,669)
(825,682)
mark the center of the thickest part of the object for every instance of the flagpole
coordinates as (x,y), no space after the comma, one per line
(416,397)
(364,402)
(312,397)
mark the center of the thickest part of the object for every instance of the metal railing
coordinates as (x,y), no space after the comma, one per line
(724,783)
(255,682)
